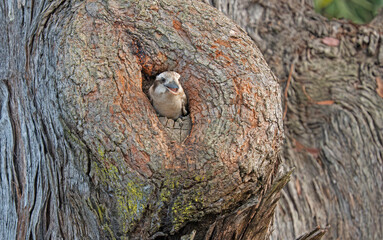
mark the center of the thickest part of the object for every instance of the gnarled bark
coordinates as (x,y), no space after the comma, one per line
(85,154)
(333,123)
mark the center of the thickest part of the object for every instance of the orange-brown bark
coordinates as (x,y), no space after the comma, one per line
(113,169)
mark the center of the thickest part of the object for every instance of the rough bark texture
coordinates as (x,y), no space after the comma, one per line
(334,118)
(84,154)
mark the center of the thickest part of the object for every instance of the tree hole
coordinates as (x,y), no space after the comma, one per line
(147,81)
(177,130)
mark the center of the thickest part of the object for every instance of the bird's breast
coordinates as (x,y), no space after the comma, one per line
(168,106)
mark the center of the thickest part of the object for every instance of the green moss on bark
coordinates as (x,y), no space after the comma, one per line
(131,195)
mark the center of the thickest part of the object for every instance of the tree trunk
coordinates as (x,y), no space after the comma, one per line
(332,72)
(84,155)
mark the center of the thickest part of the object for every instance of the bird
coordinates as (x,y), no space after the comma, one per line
(167,95)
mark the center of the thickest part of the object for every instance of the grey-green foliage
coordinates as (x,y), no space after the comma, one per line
(358,11)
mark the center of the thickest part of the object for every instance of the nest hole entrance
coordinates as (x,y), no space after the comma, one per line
(147,81)
(177,130)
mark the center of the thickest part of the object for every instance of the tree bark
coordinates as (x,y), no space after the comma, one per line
(332,72)
(84,154)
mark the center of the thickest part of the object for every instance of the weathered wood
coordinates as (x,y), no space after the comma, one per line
(251,220)
(315,234)
(8,209)
(92,159)
(334,121)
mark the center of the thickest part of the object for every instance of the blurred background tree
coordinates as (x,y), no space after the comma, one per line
(357,11)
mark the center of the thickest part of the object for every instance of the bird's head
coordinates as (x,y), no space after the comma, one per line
(168,82)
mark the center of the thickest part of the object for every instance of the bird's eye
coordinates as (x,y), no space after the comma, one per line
(162,80)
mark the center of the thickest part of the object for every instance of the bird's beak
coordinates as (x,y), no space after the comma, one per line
(172,87)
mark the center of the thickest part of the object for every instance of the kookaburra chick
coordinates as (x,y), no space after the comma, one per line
(167,95)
